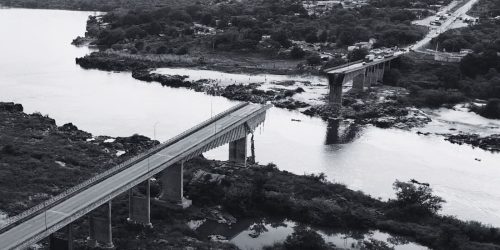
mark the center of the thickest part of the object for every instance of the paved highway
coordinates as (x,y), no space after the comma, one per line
(57,215)
(447,25)
(361,65)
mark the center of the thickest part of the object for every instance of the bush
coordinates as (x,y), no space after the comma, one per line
(161,50)
(414,200)
(297,53)
(434,98)
(182,50)
(357,54)
(334,62)
(314,59)
(392,77)
(491,109)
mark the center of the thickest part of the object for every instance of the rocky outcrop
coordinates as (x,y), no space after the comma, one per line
(110,62)
(165,80)
(490,143)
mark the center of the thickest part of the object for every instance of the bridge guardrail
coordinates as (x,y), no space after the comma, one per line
(99,177)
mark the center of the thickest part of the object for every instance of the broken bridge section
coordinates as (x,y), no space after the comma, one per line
(166,160)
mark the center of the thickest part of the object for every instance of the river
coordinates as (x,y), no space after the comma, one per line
(37,69)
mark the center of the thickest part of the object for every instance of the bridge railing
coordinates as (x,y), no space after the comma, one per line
(99,177)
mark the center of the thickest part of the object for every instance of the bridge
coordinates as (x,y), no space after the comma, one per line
(165,160)
(362,74)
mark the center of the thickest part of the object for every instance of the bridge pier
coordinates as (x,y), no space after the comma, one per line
(380,75)
(238,150)
(358,82)
(101,232)
(56,243)
(335,82)
(374,75)
(172,185)
(140,207)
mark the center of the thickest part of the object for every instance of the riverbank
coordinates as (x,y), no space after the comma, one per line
(49,159)
(379,105)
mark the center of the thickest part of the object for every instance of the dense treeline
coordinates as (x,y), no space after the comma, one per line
(486,9)
(241,26)
(434,84)
(481,37)
(409,3)
(476,76)
(100,5)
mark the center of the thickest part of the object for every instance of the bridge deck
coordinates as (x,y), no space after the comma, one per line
(359,66)
(69,210)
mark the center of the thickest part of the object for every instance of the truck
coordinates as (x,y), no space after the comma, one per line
(388,54)
(369,58)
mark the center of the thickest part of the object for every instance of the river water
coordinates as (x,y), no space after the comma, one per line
(37,69)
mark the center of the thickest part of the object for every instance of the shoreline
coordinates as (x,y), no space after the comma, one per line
(363,108)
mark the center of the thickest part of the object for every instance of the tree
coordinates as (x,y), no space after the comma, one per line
(334,62)
(491,109)
(392,77)
(297,53)
(282,38)
(153,28)
(111,37)
(313,59)
(416,199)
(182,50)
(161,50)
(357,54)
(312,38)
(346,37)
(206,19)
(135,32)
(449,75)
(323,36)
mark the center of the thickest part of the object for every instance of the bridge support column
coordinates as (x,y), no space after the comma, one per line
(380,74)
(140,207)
(373,79)
(335,82)
(101,232)
(238,150)
(172,186)
(368,77)
(358,82)
(56,243)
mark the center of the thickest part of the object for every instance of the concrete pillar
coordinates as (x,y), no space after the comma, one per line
(358,82)
(380,72)
(140,207)
(57,243)
(238,150)
(335,82)
(374,75)
(366,80)
(172,183)
(101,233)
